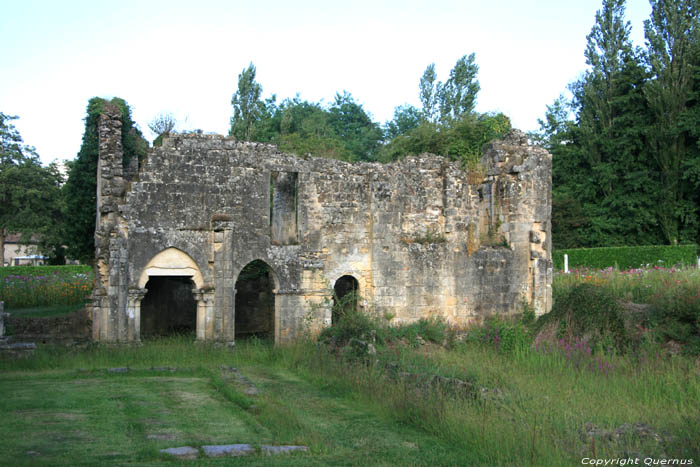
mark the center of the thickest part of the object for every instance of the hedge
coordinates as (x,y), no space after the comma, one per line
(627,257)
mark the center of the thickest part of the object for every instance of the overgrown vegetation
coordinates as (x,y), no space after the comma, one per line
(583,381)
(428,395)
(657,305)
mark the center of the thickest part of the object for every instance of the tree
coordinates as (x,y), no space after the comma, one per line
(462,139)
(29,193)
(406,118)
(429,90)
(453,99)
(81,186)
(447,123)
(673,39)
(619,193)
(162,125)
(351,124)
(457,97)
(247,106)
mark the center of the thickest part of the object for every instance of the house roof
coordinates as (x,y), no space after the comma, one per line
(17,238)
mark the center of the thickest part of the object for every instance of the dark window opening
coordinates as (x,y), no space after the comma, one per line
(255,302)
(283,208)
(344,297)
(168,307)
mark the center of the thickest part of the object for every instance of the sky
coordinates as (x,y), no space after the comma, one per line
(184,57)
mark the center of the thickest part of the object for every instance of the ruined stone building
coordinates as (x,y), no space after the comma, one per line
(226,238)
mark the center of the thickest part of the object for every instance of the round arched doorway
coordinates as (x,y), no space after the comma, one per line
(345,292)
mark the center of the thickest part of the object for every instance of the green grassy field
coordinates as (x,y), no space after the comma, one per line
(63,407)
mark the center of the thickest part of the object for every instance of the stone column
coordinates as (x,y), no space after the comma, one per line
(133,313)
(205,313)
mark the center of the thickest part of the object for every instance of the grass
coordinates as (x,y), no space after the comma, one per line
(640,285)
(61,406)
(44,311)
(527,408)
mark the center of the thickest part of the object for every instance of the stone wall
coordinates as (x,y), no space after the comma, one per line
(422,236)
(69,329)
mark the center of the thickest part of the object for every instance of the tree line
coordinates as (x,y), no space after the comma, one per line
(445,124)
(626,142)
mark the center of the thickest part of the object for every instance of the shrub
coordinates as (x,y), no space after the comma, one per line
(586,311)
(351,322)
(676,316)
(504,334)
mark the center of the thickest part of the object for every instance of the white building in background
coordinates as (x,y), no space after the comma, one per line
(19,252)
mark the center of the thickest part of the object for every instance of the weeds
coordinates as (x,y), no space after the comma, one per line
(656,303)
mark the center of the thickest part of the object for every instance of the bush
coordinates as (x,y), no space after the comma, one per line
(676,316)
(432,329)
(351,322)
(626,257)
(588,312)
(505,334)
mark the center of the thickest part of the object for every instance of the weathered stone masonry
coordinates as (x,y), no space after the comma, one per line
(421,236)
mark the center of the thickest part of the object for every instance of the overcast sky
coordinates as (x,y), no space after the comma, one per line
(185,57)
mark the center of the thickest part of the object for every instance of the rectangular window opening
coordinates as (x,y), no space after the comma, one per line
(283,208)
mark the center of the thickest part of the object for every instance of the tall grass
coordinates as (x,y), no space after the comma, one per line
(524,407)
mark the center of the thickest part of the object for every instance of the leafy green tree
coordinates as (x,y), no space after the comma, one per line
(352,125)
(247,105)
(604,180)
(80,190)
(461,139)
(446,124)
(406,118)
(429,90)
(29,193)
(673,40)
(454,98)
(613,120)
(457,97)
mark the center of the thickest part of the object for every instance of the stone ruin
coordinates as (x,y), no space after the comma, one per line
(226,239)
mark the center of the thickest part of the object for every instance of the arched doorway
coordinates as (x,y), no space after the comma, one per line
(168,308)
(255,302)
(345,293)
(164,302)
